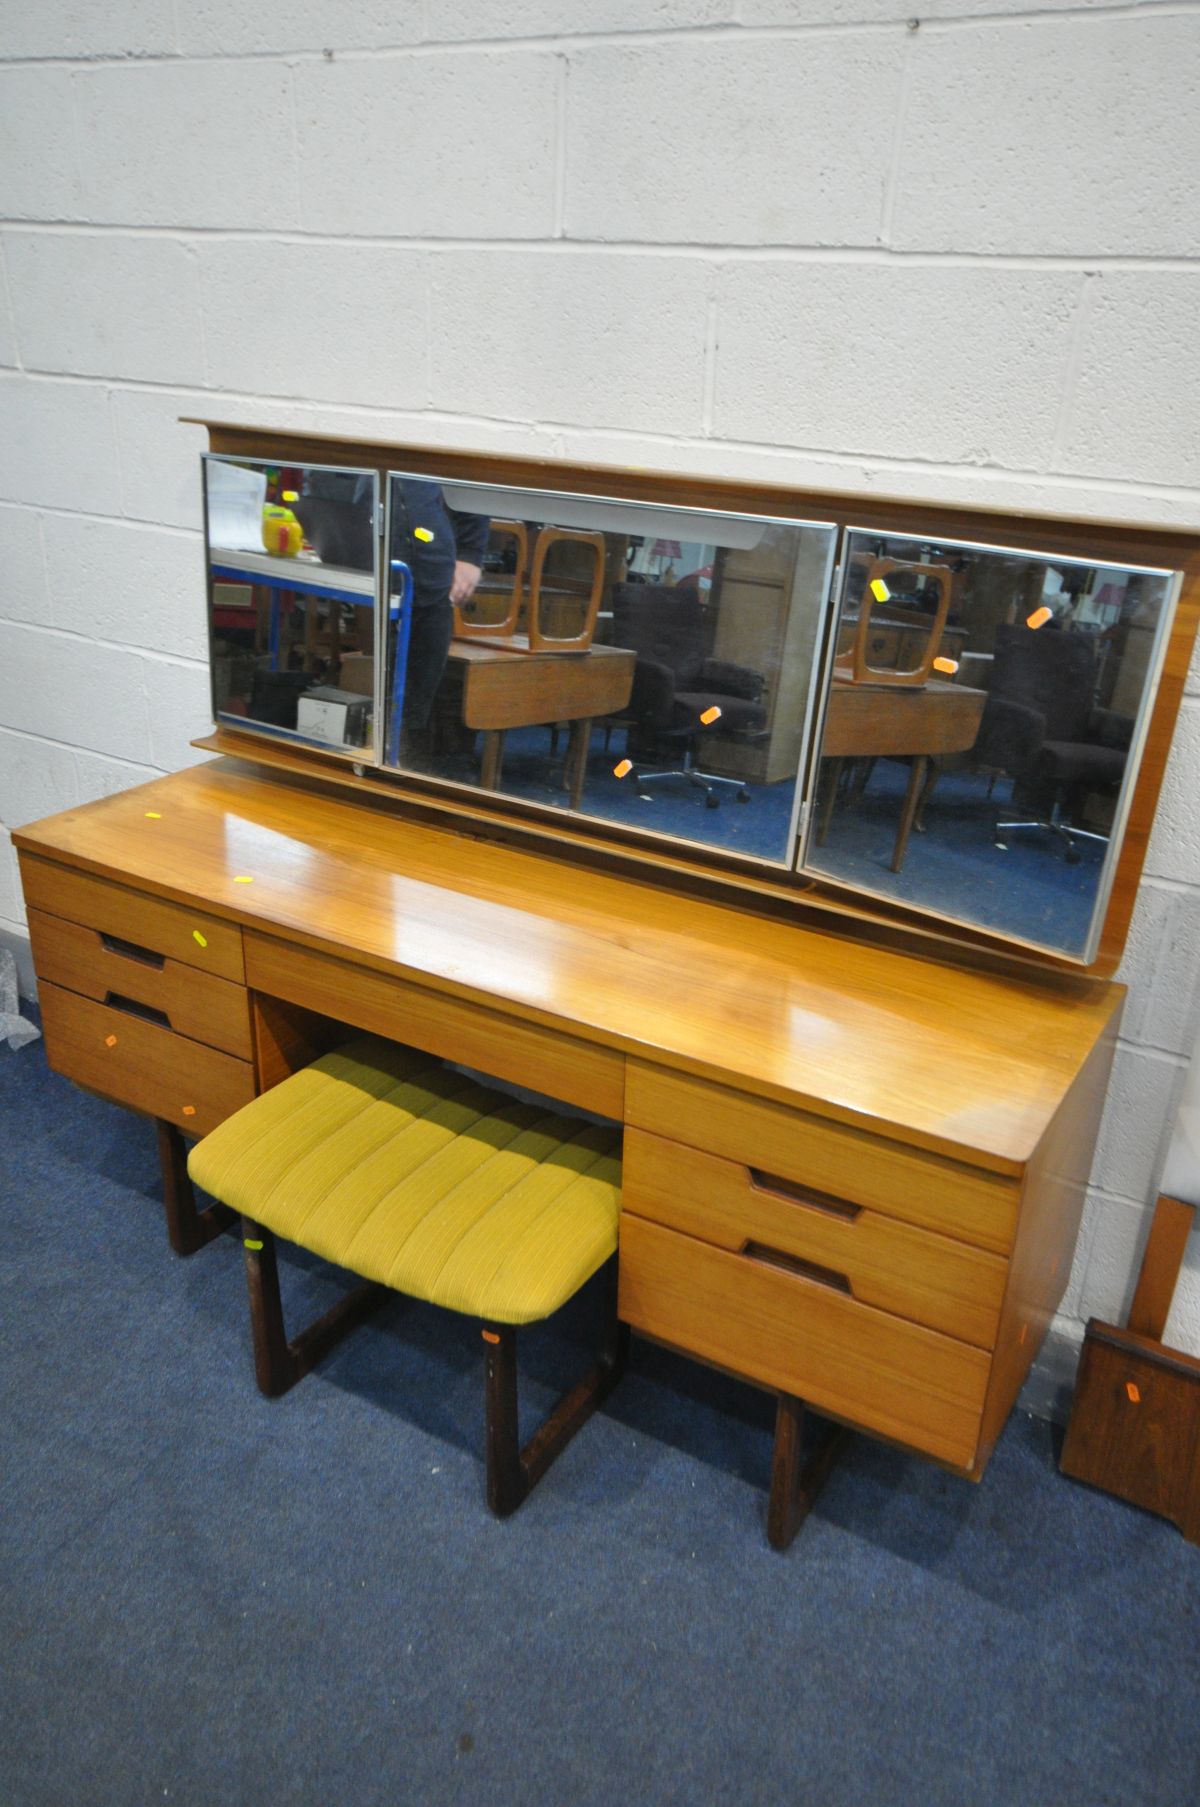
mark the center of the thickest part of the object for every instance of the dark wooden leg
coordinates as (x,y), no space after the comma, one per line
(916,778)
(512,1471)
(931,778)
(278,1363)
(576,764)
(493,758)
(187,1228)
(830,774)
(793,1489)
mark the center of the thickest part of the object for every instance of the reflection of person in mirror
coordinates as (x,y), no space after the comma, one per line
(444,550)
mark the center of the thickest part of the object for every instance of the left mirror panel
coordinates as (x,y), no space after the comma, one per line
(292,556)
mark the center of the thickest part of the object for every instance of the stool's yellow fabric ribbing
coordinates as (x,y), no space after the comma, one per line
(386,1163)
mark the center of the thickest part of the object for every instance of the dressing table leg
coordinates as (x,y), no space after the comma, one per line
(793,1488)
(187,1228)
(576,766)
(916,779)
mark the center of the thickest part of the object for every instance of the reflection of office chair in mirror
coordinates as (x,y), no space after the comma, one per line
(679,693)
(469,622)
(853,662)
(1041,725)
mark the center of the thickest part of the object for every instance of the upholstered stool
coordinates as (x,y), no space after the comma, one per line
(425,1182)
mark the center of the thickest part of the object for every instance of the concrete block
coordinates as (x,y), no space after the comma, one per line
(180,706)
(1136,396)
(456,146)
(607,340)
(1142,1097)
(39,779)
(77,28)
(23,593)
(8,333)
(158,458)
(39,177)
(61,689)
(816,13)
(100,777)
(228,28)
(98,304)
(356,331)
(1161,970)
(448,20)
(756,146)
(235,120)
(57,446)
(960,365)
(1174,850)
(1075,137)
(1115,1257)
(134,585)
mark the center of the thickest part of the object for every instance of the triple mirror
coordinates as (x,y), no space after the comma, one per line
(950,726)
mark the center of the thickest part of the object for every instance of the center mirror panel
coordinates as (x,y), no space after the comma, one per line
(292,555)
(649,668)
(981,731)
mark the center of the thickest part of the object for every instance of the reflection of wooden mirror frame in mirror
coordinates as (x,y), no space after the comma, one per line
(466,628)
(798,894)
(539,640)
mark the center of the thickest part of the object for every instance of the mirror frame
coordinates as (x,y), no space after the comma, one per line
(823,902)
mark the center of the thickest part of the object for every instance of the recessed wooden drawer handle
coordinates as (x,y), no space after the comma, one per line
(130,950)
(795,1264)
(803,1195)
(133,1007)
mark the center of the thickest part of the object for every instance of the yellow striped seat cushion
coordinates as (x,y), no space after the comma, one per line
(393,1166)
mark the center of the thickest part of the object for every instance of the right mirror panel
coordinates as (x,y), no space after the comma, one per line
(981,730)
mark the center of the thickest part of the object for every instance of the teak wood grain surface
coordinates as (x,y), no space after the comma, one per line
(964,1063)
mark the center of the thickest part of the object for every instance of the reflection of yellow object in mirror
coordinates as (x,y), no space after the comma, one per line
(282,533)
(423,533)
(1039,618)
(950,666)
(879,590)
(712,714)
(623,769)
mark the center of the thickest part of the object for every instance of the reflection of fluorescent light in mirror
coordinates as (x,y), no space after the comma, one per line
(596,515)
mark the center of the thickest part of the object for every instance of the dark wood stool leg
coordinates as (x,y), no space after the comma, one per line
(187,1228)
(278,1363)
(512,1471)
(916,780)
(793,1488)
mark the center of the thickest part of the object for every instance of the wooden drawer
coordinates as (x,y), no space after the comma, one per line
(949,1196)
(110,971)
(545,1060)
(147,923)
(140,1064)
(950,1286)
(796,1336)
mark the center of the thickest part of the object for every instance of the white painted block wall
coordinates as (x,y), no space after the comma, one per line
(820,241)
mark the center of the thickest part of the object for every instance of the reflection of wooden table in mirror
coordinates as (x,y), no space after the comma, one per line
(877,721)
(504,689)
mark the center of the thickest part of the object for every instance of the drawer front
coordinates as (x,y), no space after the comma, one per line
(147,923)
(950,1286)
(142,1065)
(796,1336)
(192,1003)
(545,1060)
(926,1189)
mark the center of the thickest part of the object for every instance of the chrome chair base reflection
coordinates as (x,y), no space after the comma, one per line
(704,781)
(1068,836)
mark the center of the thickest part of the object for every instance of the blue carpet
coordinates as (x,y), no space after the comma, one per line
(210,1598)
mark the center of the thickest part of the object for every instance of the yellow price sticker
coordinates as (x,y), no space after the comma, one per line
(199,939)
(423,533)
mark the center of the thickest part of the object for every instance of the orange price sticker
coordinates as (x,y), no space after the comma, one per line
(1134,1395)
(110,1041)
(1039,618)
(489,1336)
(189,1110)
(711,715)
(623,769)
(947,665)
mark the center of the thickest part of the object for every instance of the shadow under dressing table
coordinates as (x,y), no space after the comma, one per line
(856,1144)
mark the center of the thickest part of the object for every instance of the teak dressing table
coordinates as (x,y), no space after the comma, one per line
(855,1149)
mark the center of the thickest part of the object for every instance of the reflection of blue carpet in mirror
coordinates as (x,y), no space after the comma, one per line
(758,829)
(955,867)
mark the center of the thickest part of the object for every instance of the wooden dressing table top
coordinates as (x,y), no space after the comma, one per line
(961,1062)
